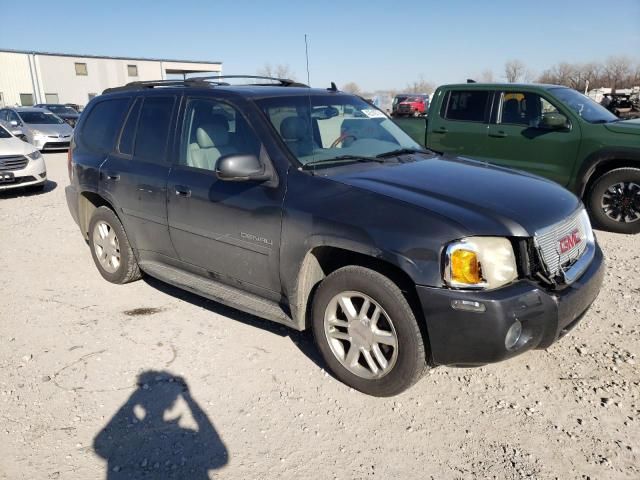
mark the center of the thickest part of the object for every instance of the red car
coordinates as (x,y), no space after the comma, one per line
(410,105)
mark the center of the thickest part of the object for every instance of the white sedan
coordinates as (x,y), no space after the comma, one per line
(21,164)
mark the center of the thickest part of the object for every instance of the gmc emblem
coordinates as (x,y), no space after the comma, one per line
(567,242)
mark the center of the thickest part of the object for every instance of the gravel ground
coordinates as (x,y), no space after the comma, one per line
(169,385)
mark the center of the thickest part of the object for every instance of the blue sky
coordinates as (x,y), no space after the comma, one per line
(374,43)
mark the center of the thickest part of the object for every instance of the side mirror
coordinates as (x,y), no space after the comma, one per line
(553,121)
(13,123)
(241,168)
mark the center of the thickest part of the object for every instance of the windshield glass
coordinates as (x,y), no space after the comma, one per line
(4,133)
(589,110)
(324,127)
(62,109)
(40,118)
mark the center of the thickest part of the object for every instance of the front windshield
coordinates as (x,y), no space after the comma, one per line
(319,128)
(40,118)
(62,109)
(4,133)
(589,110)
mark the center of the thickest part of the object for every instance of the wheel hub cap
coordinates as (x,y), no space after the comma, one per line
(361,334)
(106,246)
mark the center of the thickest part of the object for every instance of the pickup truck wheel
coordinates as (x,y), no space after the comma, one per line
(110,248)
(367,332)
(614,201)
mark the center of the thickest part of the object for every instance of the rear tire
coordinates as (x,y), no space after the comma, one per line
(110,248)
(614,201)
(373,343)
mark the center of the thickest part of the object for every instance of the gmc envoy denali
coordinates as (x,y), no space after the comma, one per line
(311,208)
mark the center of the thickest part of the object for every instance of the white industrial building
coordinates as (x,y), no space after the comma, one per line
(28,78)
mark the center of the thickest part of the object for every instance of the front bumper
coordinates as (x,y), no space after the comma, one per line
(35,173)
(45,142)
(465,338)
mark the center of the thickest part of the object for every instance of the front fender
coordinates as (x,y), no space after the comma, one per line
(599,159)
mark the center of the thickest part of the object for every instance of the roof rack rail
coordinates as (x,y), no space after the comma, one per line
(209,81)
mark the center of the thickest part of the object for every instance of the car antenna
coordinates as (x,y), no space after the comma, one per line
(306,52)
(333,87)
(470,80)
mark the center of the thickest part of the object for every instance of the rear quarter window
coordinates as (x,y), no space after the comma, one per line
(103,123)
(466,105)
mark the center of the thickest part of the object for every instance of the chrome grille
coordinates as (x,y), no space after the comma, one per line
(12,162)
(547,241)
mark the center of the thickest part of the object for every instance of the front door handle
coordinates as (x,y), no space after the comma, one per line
(182,191)
(498,134)
(441,130)
(112,176)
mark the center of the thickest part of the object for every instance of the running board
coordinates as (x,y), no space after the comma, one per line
(219,292)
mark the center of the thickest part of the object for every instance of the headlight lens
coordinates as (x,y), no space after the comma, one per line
(36,133)
(35,155)
(480,262)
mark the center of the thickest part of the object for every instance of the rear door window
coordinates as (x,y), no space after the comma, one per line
(466,105)
(153,129)
(102,125)
(127,137)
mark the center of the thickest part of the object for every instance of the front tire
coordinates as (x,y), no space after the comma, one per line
(614,201)
(367,332)
(110,248)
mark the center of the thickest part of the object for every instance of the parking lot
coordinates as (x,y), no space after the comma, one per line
(74,346)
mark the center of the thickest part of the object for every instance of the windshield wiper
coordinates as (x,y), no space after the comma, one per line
(341,158)
(401,151)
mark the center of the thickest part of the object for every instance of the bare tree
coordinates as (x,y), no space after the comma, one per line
(351,87)
(514,70)
(278,71)
(617,71)
(420,86)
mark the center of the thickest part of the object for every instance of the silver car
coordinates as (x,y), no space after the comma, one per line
(40,127)
(21,164)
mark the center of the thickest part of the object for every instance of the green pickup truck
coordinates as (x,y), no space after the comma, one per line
(548,130)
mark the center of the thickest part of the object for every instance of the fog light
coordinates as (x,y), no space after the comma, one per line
(513,335)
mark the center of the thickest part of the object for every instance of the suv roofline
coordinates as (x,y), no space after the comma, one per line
(510,86)
(207,82)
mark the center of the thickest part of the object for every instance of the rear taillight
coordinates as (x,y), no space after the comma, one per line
(69,161)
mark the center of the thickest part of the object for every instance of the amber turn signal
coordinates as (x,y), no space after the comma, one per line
(465,267)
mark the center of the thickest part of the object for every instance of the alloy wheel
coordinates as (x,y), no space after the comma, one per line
(361,335)
(621,202)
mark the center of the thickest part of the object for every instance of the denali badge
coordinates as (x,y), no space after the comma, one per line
(567,242)
(255,238)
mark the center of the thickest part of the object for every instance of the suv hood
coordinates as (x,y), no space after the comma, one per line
(624,126)
(482,199)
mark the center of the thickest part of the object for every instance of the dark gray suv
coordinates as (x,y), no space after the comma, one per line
(311,208)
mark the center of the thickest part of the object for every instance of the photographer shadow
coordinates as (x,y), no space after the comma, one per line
(141,442)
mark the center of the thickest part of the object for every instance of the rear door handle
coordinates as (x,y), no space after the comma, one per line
(499,134)
(182,191)
(441,130)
